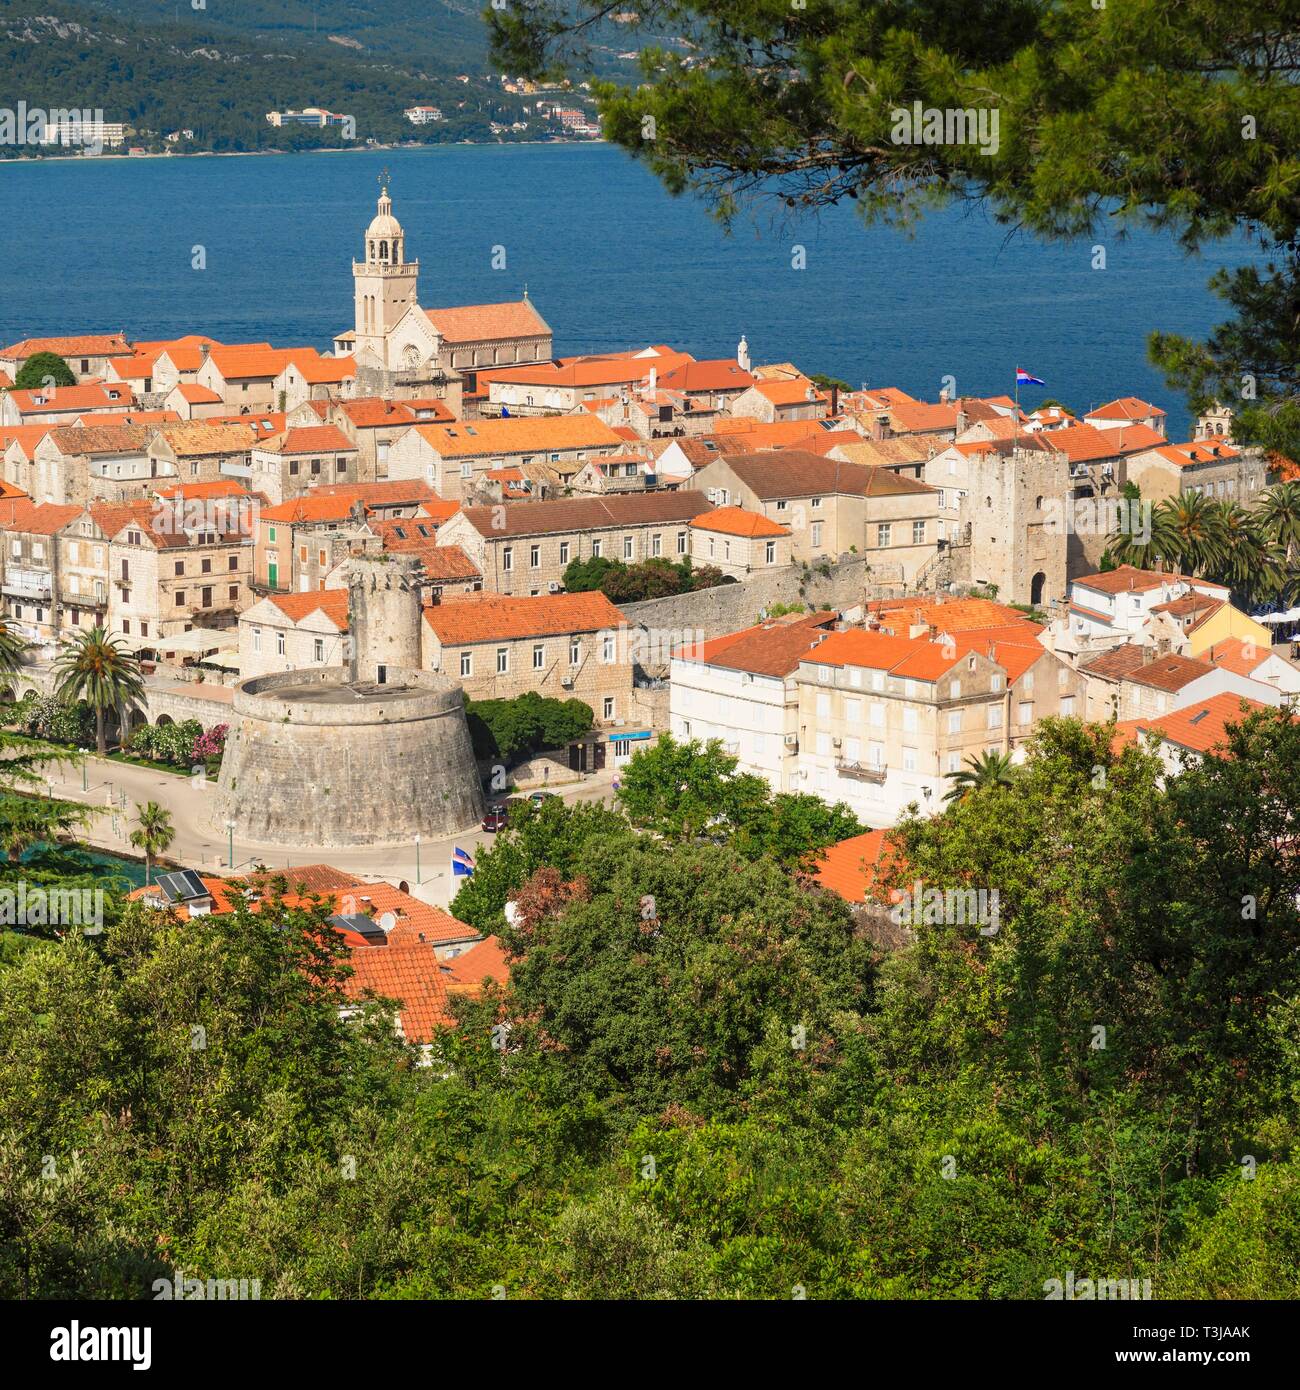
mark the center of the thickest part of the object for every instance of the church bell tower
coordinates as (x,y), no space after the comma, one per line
(385,282)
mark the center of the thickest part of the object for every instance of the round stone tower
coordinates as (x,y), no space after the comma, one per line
(374,752)
(384,617)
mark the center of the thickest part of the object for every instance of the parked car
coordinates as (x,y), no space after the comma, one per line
(497,818)
(540,798)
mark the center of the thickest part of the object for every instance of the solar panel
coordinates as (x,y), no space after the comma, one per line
(181,886)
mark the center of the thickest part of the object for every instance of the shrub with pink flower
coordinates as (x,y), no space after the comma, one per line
(211,743)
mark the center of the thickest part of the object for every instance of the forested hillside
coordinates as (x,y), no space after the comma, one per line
(169,76)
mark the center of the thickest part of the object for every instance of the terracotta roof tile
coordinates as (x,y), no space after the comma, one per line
(522,435)
(84,345)
(736,521)
(333,603)
(1168,672)
(1200,727)
(471,323)
(470,618)
(772,648)
(585,513)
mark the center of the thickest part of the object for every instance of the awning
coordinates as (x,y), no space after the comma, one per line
(199,639)
(227,661)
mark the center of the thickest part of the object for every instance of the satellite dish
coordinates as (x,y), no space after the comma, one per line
(388,921)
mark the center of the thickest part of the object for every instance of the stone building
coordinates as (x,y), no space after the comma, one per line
(401,348)
(206,452)
(885,720)
(525,547)
(29,570)
(165,580)
(831,508)
(454,458)
(294,632)
(738,542)
(118,463)
(300,459)
(1208,466)
(87,355)
(564,646)
(374,751)
(63,405)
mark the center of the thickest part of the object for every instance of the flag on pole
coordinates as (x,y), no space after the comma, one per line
(1024,379)
(462,863)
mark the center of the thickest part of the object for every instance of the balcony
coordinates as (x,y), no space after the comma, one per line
(24,583)
(862,772)
(84,600)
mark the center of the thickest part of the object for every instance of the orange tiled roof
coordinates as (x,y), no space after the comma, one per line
(953,615)
(1238,654)
(85,345)
(563,514)
(1198,451)
(736,521)
(496,617)
(195,394)
(1126,408)
(196,438)
(1125,579)
(1086,443)
(850,867)
(391,492)
(1169,672)
(220,487)
(915,657)
(27,437)
(472,323)
(1200,727)
(310,439)
(333,603)
(310,508)
(93,395)
(713,374)
(411,974)
(102,439)
(789,392)
(772,648)
(34,518)
(518,435)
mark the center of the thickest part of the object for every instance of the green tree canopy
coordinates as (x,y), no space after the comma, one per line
(1184,117)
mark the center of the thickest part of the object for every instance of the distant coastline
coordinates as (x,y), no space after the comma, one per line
(260,154)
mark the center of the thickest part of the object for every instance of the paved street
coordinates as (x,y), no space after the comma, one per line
(200,844)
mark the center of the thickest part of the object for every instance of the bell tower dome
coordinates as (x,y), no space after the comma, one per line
(385,282)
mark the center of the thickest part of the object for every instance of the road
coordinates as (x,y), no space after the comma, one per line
(202,845)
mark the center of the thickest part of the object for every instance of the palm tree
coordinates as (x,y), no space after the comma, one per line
(988,769)
(12,648)
(95,669)
(1249,564)
(154,832)
(1279,515)
(1188,531)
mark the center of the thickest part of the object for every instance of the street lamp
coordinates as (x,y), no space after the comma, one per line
(230,844)
(417,859)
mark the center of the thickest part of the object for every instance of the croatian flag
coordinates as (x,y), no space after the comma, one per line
(1024,379)
(462,865)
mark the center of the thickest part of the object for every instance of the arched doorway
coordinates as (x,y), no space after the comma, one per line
(1036,587)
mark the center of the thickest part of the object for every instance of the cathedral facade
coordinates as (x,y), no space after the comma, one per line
(405,350)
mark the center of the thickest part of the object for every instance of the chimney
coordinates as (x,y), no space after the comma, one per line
(835,400)
(654,380)
(961,418)
(1148,655)
(944,396)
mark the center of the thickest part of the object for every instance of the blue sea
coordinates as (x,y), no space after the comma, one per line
(609,258)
